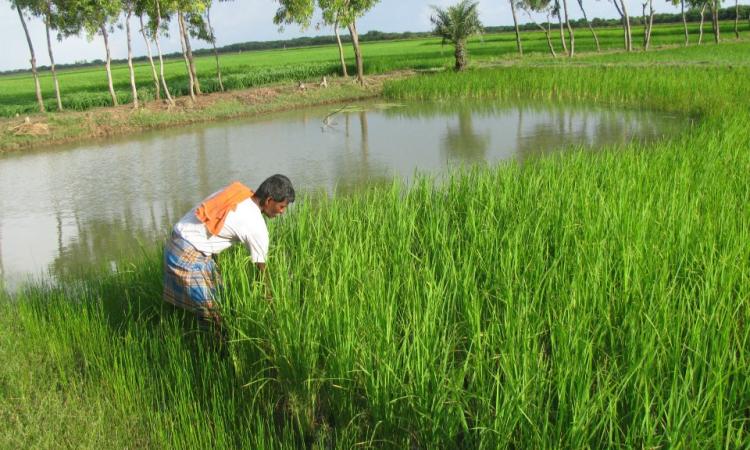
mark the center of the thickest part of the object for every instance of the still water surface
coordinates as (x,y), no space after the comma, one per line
(66,208)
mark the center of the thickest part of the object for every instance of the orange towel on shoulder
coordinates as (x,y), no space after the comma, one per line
(213,211)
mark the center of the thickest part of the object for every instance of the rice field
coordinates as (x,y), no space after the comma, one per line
(576,301)
(87,87)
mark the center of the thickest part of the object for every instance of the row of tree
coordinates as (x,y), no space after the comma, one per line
(92,17)
(559,10)
(99,17)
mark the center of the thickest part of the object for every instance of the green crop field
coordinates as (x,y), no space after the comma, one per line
(85,88)
(584,300)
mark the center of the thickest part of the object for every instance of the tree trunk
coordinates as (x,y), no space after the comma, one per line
(460,55)
(622,18)
(684,22)
(38,88)
(715,20)
(700,27)
(52,58)
(628,32)
(161,61)
(736,19)
(648,23)
(357,52)
(365,135)
(591,27)
(157,93)
(547,35)
(515,22)
(645,23)
(189,53)
(213,43)
(570,30)
(191,84)
(108,64)
(133,88)
(341,47)
(562,33)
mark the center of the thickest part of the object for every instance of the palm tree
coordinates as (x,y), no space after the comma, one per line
(455,24)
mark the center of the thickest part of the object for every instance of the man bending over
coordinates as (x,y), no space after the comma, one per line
(233,214)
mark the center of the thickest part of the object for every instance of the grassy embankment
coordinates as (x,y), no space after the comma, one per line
(87,87)
(277,71)
(583,300)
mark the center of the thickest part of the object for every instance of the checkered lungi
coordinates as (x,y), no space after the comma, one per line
(190,279)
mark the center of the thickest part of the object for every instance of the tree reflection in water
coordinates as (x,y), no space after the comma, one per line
(355,168)
(583,129)
(463,143)
(99,242)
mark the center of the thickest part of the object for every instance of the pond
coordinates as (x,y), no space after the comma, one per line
(69,207)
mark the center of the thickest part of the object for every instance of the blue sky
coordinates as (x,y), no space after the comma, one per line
(251,20)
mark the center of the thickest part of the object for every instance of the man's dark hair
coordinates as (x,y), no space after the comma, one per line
(278,187)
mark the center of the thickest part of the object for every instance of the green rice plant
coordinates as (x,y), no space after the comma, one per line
(704,91)
(583,300)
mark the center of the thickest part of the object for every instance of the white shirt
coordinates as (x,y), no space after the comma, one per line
(245,224)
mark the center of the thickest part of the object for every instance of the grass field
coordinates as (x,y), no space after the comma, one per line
(576,301)
(85,88)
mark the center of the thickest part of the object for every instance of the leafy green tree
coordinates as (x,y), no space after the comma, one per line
(571,35)
(194,19)
(648,22)
(140,6)
(622,10)
(700,5)
(93,17)
(684,18)
(152,8)
(193,84)
(715,5)
(185,12)
(48,19)
(190,18)
(47,10)
(519,47)
(177,9)
(128,7)
(540,7)
(199,26)
(456,24)
(19,8)
(736,19)
(336,12)
(347,12)
(557,11)
(333,12)
(211,37)
(336,25)
(591,27)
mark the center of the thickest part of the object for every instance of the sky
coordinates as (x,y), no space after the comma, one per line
(252,20)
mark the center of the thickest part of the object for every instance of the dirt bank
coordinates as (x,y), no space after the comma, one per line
(50,129)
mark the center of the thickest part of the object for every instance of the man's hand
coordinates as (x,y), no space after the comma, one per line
(264,277)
